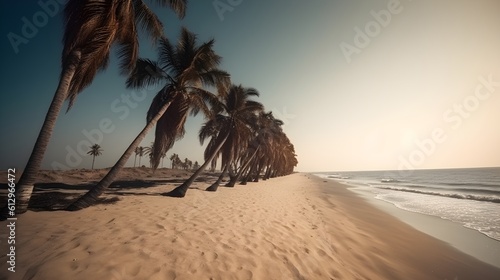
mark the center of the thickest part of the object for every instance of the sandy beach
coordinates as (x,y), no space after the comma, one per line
(294,227)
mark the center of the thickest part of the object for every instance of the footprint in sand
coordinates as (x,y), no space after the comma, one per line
(210,256)
(74,264)
(160,226)
(321,252)
(133,270)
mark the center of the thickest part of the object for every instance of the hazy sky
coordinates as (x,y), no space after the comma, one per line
(361,85)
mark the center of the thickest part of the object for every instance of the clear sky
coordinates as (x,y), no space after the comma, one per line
(361,85)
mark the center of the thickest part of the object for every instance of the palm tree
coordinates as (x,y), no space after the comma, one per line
(187,164)
(196,165)
(137,151)
(174,158)
(232,121)
(269,130)
(184,69)
(259,136)
(149,151)
(178,163)
(95,151)
(91,28)
(278,156)
(140,151)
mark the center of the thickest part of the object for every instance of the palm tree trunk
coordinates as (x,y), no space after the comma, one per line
(181,190)
(93,159)
(247,166)
(268,171)
(135,159)
(25,185)
(242,173)
(91,196)
(215,185)
(259,171)
(234,179)
(248,176)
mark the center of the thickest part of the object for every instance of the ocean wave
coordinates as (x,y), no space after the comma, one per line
(472,184)
(337,177)
(443,188)
(478,190)
(451,195)
(389,180)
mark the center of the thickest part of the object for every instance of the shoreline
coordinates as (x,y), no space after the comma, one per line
(413,248)
(292,227)
(466,240)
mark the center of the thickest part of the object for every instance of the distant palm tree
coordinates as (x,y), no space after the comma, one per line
(136,151)
(141,151)
(187,163)
(91,28)
(184,70)
(178,162)
(232,120)
(148,151)
(95,151)
(174,158)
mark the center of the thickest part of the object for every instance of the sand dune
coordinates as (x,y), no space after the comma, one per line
(294,227)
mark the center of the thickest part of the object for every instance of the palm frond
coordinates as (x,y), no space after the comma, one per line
(178,6)
(161,98)
(167,57)
(208,129)
(145,73)
(92,60)
(253,106)
(170,127)
(148,20)
(218,78)
(126,36)
(93,26)
(205,101)
(251,92)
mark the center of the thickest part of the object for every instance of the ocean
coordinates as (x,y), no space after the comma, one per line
(470,197)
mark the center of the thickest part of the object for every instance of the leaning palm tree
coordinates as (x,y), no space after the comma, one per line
(232,122)
(268,129)
(185,70)
(95,150)
(271,131)
(91,27)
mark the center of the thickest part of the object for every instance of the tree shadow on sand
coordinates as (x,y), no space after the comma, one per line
(57,196)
